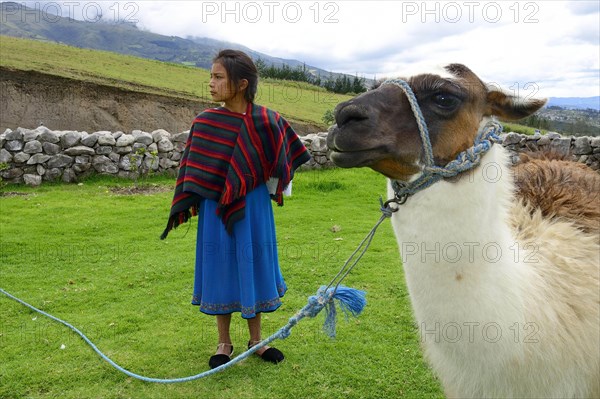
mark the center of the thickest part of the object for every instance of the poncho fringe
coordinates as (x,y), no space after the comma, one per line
(229,154)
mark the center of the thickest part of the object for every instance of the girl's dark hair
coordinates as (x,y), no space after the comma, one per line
(239,66)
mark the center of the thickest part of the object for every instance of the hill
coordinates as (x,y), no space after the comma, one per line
(124,38)
(575,102)
(97,90)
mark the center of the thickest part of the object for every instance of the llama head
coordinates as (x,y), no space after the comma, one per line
(378,129)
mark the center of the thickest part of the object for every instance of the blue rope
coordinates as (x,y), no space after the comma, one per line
(432,173)
(324,297)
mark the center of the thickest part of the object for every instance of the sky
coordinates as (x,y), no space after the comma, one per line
(531,48)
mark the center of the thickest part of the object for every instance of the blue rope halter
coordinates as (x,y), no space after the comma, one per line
(432,173)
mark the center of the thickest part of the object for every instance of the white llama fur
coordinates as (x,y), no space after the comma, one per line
(508,303)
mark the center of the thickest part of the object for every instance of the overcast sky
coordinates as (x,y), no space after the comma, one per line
(546,48)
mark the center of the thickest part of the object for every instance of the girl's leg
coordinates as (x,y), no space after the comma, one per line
(266,353)
(255,336)
(223,323)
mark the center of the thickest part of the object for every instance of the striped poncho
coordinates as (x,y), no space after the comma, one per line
(229,154)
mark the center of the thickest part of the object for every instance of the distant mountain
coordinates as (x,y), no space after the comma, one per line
(124,38)
(575,102)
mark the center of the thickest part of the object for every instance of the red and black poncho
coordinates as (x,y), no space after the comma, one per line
(228,155)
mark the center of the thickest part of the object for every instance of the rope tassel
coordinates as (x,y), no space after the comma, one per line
(352,302)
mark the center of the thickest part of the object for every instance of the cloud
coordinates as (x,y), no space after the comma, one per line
(585,7)
(513,42)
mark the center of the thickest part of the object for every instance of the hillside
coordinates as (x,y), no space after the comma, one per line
(45,81)
(124,38)
(575,102)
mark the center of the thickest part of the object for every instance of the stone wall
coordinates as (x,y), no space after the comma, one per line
(582,149)
(33,156)
(41,154)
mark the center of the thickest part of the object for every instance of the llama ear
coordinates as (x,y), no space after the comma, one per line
(509,107)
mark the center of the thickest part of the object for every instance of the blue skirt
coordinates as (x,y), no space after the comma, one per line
(238,272)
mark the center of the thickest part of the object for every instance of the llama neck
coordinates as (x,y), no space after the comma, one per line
(456,242)
(473,208)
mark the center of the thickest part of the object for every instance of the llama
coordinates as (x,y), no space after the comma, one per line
(502,264)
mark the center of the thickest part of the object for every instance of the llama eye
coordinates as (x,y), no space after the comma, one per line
(446,101)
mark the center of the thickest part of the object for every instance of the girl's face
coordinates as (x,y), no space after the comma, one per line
(220,87)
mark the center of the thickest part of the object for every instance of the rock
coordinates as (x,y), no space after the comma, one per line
(512,138)
(595,142)
(42,129)
(535,136)
(80,168)
(180,137)
(40,170)
(532,145)
(129,163)
(83,159)
(69,176)
(165,145)
(166,163)
(160,134)
(104,150)
(5,156)
(14,145)
(21,157)
(50,148)
(123,150)
(32,180)
(38,158)
(151,162)
(553,135)
(176,156)
(125,140)
(79,150)
(139,147)
(319,144)
(29,135)
(48,136)
(32,147)
(180,147)
(116,135)
(14,135)
(70,139)
(153,148)
(90,140)
(560,145)
(60,161)
(105,138)
(103,164)
(544,140)
(52,174)
(142,137)
(113,156)
(12,173)
(582,146)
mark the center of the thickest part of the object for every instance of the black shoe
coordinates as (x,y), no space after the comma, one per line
(272,355)
(220,359)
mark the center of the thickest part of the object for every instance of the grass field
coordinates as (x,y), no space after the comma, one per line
(295,100)
(92,257)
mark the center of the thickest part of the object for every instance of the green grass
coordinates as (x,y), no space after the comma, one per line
(295,100)
(521,129)
(93,258)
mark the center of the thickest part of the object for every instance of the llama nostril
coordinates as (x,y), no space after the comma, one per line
(350,112)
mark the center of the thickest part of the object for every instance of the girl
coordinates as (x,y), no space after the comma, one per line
(237,157)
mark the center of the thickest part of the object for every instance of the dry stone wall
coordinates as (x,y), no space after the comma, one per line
(33,156)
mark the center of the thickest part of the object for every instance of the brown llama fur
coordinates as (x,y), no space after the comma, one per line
(560,188)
